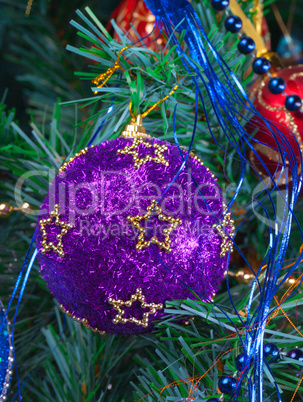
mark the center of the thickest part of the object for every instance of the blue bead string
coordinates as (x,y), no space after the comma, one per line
(261,65)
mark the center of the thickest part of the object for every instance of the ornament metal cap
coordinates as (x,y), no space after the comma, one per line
(135,129)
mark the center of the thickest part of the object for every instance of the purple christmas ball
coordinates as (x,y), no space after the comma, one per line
(123,230)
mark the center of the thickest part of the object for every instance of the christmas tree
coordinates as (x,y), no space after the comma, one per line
(198,342)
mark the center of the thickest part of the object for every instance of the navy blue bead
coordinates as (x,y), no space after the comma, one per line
(293,103)
(276,85)
(270,349)
(296,354)
(214,400)
(220,5)
(227,385)
(240,362)
(261,65)
(246,45)
(233,24)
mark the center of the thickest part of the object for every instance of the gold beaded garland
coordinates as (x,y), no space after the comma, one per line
(117,304)
(5,209)
(243,275)
(142,243)
(133,150)
(80,320)
(29,7)
(72,158)
(65,227)
(201,163)
(25,208)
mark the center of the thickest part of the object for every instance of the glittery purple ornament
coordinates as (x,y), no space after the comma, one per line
(102,238)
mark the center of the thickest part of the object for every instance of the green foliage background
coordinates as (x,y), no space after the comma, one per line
(67,362)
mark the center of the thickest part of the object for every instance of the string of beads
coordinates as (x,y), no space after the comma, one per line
(261,65)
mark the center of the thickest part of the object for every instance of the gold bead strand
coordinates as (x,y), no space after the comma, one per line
(106,76)
(83,321)
(72,158)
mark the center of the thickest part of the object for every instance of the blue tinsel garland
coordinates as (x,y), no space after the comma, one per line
(6,355)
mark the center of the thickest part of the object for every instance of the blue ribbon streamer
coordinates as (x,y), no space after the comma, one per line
(229,101)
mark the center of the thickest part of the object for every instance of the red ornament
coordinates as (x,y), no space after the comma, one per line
(272,108)
(135,13)
(265,33)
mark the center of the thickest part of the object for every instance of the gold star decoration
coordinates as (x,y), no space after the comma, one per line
(227,242)
(118,304)
(142,243)
(46,222)
(133,150)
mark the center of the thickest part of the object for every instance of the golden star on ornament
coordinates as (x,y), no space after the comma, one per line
(118,304)
(142,242)
(226,238)
(133,150)
(47,246)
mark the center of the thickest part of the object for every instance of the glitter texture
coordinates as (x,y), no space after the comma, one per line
(6,352)
(96,193)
